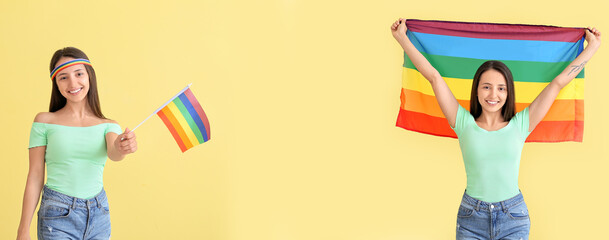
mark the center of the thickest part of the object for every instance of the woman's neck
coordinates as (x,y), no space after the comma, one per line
(491,119)
(77,110)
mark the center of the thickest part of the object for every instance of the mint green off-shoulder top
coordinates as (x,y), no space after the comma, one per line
(75,156)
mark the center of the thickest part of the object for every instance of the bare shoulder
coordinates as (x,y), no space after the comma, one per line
(44,117)
(110,121)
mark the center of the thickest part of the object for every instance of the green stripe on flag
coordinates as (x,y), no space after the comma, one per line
(191,122)
(465,68)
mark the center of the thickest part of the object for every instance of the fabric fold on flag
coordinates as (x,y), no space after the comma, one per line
(535,54)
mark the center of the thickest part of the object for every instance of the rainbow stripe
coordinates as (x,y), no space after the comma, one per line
(534,54)
(69,64)
(186,120)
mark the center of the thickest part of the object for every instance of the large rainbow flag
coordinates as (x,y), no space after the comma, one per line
(535,55)
(185,119)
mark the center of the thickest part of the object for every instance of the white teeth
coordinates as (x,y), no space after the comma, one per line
(492,102)
(75,91)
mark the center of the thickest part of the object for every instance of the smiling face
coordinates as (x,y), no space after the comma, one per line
(72,82)
(492,91)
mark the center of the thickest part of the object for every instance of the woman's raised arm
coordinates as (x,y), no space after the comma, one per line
(541,105)
(447,101)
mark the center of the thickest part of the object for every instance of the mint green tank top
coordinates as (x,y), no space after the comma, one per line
(492,158)
(75,156)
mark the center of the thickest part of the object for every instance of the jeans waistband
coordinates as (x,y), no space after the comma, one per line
(496,206)
(74,202)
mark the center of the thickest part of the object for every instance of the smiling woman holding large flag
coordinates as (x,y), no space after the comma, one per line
(491,134)
(74,139)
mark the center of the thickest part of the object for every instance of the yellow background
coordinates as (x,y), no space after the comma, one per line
(302,97)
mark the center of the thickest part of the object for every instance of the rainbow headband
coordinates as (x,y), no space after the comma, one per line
(69,64)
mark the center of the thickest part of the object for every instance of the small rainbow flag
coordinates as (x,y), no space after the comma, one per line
(185,119)
(535,55)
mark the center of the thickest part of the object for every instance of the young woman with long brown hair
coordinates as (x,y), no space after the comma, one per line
(73,139)
(491,136)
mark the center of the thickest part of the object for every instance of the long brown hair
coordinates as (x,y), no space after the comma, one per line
(509,108)
(58,101)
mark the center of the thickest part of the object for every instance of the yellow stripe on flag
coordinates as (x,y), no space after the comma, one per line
(176,125)
(178,115)
(526,92)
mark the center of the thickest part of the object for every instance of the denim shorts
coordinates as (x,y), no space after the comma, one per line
(64,217)
(504,220)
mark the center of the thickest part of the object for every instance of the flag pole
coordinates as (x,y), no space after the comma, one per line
(165,104)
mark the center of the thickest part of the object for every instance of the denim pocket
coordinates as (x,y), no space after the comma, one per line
(519,211)
(465,211)
(50,210)
(105,207)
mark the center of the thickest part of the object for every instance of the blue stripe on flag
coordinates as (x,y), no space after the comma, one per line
(497,49)
(194,115)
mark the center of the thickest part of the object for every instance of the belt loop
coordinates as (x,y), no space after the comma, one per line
(478,205)
(97,200)
(503,207)
(73,203)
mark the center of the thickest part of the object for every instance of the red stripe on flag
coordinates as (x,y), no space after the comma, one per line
(175,134)
(424,123)
(497,31)
(546,131)
(561,131)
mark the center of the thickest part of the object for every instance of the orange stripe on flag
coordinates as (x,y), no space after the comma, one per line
(175,134)
(179,128)
(561,110)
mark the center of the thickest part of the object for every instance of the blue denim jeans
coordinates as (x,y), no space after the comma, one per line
(504,220)
(64,217)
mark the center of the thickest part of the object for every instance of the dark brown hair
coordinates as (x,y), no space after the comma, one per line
(58,101)
(509,108)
